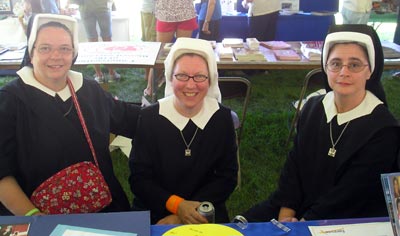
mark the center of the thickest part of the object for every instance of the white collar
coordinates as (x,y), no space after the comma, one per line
(366,107)
(167,109)
(26,74)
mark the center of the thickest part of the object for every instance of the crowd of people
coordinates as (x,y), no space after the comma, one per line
(184,145)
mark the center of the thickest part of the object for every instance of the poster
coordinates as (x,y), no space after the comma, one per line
(116,52)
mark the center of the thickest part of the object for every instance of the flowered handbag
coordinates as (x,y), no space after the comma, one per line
(79,188)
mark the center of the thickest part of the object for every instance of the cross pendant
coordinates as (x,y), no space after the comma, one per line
(332,152)
(188,152)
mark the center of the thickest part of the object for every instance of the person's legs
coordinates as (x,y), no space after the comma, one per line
(351,17)
(105,25)
(186,28)
(396,38)
(89,20)
(263,27)
(148,22)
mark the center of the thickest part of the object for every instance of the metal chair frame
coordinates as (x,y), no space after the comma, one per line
(310,75)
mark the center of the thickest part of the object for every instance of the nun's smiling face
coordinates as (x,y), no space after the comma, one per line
(189,94)
(52,56)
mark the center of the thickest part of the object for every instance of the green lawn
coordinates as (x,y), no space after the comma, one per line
(263,149)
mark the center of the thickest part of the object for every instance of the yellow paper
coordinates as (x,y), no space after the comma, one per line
(203,230)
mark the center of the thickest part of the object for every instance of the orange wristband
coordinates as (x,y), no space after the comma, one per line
(173,203)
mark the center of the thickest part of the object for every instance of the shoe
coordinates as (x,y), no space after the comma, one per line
(114,78)
(99,78)
(396,75)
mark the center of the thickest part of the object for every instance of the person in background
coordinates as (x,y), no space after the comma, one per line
(95,12)
(262,18)
(345,139)
(50,6)
(356,11)
(184,152)
(148,23)
(210,16)
(41,133)
(175,18)
(26,8)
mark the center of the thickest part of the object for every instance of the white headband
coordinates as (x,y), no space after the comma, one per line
(348,37)
(197,46)
(68,21)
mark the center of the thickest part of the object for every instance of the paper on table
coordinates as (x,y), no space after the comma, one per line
(203,230)
(364,229)
(68,230)
(116,52)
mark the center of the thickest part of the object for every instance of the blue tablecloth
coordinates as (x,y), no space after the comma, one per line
(139,222)
(268,229)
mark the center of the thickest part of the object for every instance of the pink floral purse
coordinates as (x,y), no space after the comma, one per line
(79,188)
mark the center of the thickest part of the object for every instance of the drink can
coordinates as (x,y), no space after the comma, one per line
(207,210)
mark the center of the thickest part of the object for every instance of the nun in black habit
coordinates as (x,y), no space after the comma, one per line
(344,141)
(40,130)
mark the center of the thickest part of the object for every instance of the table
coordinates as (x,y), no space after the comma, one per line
(267,228)
(294,27)
(139,222)
(134,221)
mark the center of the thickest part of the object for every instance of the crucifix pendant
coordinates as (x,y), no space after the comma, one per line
(332,152)
(188,152)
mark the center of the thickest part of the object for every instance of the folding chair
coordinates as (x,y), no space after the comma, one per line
(236,87)
(313,75)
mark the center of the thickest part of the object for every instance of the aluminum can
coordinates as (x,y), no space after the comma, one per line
(207,210)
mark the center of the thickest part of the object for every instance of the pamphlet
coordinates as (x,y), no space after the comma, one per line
(69,230)
(391,190)
(362,229)
(276,45)
(14,229)
(233,42)
(287,55)
(312,50)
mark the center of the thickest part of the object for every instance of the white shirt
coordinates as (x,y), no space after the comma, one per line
(263,7)
(364,108)
(148,6)
(358,5)
(26,74)
(167,109)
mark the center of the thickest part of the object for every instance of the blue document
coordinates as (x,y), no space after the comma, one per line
(68,230)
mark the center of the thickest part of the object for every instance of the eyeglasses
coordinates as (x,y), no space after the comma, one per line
(336,66)
(196,78)
(47,49)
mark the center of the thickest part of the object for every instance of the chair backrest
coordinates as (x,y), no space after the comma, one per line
(236,87)
(314,75)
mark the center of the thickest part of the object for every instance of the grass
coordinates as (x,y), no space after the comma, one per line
(262,149)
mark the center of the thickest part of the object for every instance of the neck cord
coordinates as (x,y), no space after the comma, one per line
(332,150)
(188,151)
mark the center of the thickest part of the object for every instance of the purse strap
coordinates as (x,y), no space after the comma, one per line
(81,119)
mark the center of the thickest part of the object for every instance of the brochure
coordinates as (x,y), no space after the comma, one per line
(69,230)
(391,190)
(14,229)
